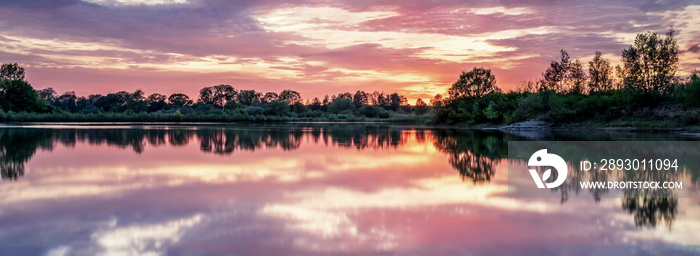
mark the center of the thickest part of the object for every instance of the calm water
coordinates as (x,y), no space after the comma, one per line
(305,189)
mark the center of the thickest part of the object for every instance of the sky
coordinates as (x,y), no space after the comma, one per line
(318,47)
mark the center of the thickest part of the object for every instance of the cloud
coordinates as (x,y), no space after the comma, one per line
(695,48)
(151,239)
(317,47)
(136,2)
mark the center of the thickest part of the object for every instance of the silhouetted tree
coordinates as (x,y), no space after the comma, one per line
(556,73)
(340,104)
(269,97)
(436,101)
(577,78)
(179,99)
(345,95)
(421,107)
(474,84)
(396,101)
(136,101)
(48,94)
(651,62)
(299,108)
(18,95)
(383,100)
(92,98)
(112,102)
(277,108)
(217,95)
(85,106)
(290,97)
(360,99)
(373,98)
(68,102)
(156,102)
(600,72)
(248,97)
(315,104)
(11,71)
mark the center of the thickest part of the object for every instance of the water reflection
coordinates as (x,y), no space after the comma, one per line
(649,207)
(17,146)
(473,153)
(291,189)
(649,211)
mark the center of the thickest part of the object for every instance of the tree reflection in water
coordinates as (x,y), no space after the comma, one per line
(474,154)
(17,146)
(649,206)
(648,211)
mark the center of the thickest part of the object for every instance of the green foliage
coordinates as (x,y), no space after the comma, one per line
(649,76)
(421,107)
(473,84)
(277,108)
(290,97)
(600,73)
(269,97)
(179,99)
(567,95)
(650,63)
(554,76)
(564,76)
(90,110)
(373,111)
(18,96)
(11,71)
(691,91)
(341,104)
(156,102)
(299,108)
(490,111)
(217,95)
(360,99)
(248,97)
(254,110)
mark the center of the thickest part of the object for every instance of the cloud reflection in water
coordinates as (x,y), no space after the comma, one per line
(291,190)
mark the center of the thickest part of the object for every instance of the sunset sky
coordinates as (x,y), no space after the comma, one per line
(416,48)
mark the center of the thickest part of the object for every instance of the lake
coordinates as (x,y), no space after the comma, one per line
(306,189)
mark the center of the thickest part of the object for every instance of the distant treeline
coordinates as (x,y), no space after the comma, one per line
(644,91)
(20,102)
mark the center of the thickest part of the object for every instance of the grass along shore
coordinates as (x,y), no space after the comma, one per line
(199,117)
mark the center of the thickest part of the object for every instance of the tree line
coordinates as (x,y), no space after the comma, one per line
(645,87)
(220,102)
(629,93)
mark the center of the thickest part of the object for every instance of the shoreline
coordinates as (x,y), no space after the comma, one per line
(527,126)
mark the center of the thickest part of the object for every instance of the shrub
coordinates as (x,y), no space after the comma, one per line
(370,111)
(299,108)
(384,114)
(340,104)
(490,111)
(690,117)
(277,108)
(254,110)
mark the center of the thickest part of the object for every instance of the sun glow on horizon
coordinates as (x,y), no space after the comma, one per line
(169,46)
